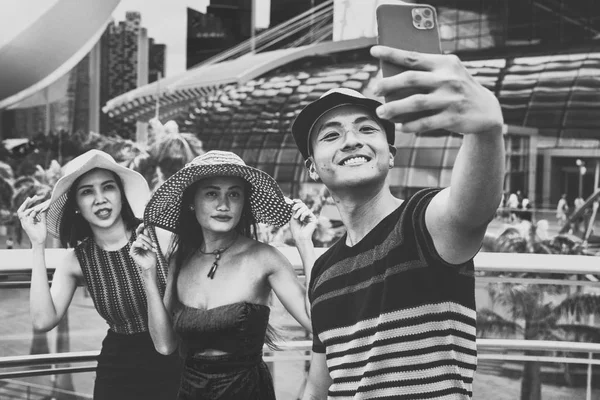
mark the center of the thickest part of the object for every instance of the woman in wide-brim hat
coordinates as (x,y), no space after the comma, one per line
(94,211)
(221,278)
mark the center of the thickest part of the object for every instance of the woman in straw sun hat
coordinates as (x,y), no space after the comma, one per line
(218,290)
(94,210)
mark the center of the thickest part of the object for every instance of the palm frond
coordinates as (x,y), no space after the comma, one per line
(583,304)
(489,322)
(6,193)
(580,332)
(6,171)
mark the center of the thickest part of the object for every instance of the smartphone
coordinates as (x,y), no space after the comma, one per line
(412,27)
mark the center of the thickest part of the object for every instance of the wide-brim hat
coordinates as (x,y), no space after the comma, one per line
(334,98)
(267,202)
(134,185)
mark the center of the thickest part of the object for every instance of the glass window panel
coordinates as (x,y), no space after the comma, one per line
(454,141)
(285,173)
(428,157)
(430,141)
(289,156)
(397,176)
(268,155)
(450,157)
(251,156)
(445,175)
(403,157)
(255,139)
(273,140)
(404,139)
(268,168)
(238,140)
(286,188)
(423,177)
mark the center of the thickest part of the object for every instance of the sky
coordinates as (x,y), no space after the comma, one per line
(166,21)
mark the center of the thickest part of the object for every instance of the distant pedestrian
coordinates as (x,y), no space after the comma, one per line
(562,208)
(10,244)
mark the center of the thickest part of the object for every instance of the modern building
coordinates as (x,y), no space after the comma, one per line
(123,59)
(541,58)
(225,24)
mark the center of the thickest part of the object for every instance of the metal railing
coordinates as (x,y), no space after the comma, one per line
(16,263)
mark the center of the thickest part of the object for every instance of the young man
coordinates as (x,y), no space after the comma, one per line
(393,305)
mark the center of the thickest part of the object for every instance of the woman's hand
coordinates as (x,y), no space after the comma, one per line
(33,219)
(143,251)
(303,222)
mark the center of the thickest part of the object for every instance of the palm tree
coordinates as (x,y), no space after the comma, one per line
(533,311)
(168,151)
(172,149)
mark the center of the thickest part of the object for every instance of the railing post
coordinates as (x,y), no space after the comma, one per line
(588,393)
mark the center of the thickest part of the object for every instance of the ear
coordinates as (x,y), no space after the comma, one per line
(393,151)
(312,171)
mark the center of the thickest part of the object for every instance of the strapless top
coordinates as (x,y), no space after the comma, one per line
(236,328)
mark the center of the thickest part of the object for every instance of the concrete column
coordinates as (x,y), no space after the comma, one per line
(532,168)
(547,180)
(95,106)
(141,128)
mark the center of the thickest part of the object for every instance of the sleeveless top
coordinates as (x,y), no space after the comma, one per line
(115,285)
(237,328)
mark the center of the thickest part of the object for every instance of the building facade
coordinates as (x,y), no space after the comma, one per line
(121,48)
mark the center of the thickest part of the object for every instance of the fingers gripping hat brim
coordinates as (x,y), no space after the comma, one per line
(134,185)
(267,202)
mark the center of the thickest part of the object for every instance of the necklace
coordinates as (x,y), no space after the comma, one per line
(217,253)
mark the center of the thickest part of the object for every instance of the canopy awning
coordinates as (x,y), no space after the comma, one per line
(50,47)
(176,93)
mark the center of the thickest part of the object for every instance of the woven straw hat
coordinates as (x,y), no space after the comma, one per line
(266,199)
(134,185)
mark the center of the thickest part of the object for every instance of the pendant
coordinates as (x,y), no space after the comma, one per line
(213,269)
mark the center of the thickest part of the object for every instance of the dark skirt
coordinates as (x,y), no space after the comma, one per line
(226,377)
(130,368)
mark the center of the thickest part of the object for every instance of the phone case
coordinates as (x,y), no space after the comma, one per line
(401,26)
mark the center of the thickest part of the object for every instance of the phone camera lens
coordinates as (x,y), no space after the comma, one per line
(426,12)
(428,24)
(417,18)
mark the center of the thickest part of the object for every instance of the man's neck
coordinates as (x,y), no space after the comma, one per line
(361,212)
(113,237)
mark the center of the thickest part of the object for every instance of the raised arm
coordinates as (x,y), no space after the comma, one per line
(143,251)
(287,287)
(457,217)
(47,304)
(302,225)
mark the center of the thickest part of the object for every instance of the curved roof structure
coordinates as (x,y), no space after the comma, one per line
(50,47)
(177,92)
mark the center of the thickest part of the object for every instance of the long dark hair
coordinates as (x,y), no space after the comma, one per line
(74,228)
(189,237)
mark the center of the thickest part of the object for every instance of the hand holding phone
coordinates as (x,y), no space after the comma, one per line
(424,89)
(411,27)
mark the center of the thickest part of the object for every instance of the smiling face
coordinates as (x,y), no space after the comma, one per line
(349,149)
(98,198)
(218,203)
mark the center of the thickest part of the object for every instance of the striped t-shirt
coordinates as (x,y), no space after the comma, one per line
(394,319)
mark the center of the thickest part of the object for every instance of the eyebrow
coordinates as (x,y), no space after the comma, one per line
(219,188)
(332,124)
(103,183)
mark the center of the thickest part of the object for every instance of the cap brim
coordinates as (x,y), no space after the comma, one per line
(311,113)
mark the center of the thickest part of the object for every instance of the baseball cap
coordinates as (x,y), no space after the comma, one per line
(334,98)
